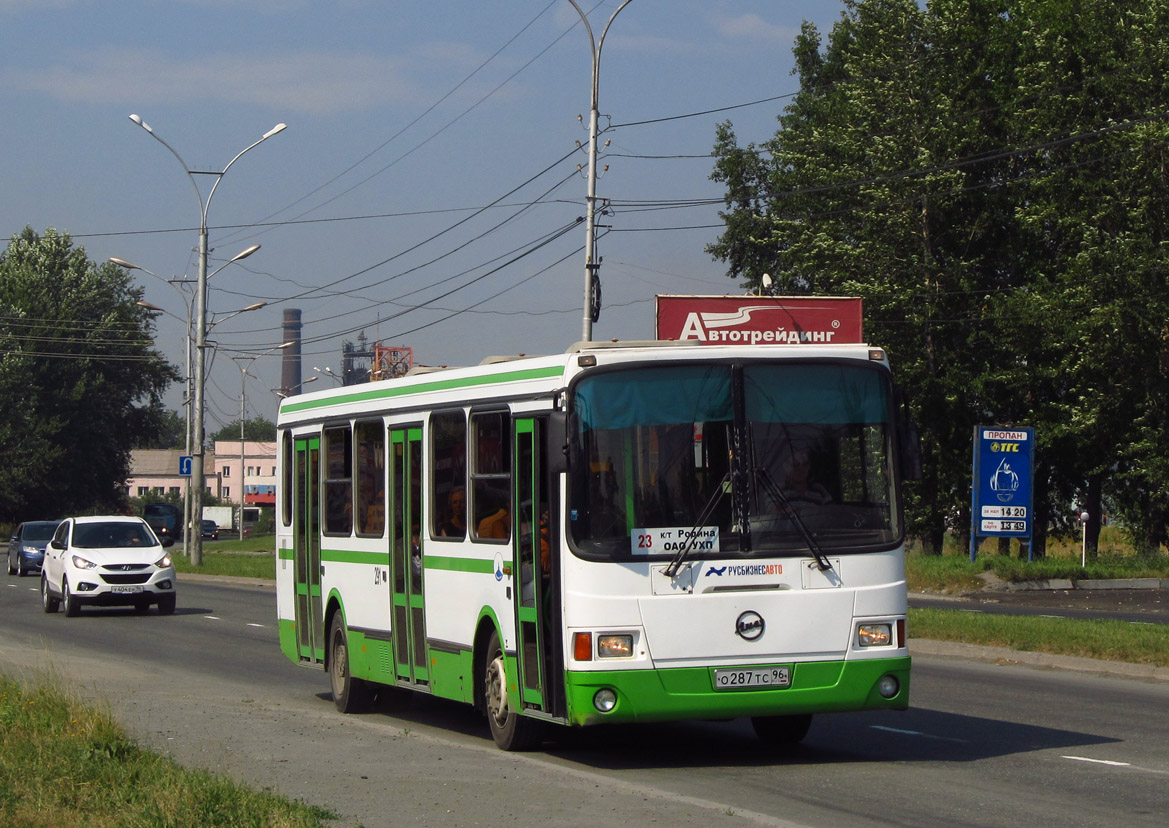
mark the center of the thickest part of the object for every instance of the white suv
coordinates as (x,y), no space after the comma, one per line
(107,561)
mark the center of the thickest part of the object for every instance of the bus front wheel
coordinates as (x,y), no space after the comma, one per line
(778,731)
(350,695)
(510,730)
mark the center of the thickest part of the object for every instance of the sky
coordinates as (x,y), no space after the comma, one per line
(426,191)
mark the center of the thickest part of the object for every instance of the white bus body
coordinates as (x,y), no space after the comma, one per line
(649,532)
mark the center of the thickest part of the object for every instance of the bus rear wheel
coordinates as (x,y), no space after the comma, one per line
(350,695)
(510,730)
(780,731)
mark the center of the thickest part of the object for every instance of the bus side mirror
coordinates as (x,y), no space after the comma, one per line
(908,439)
(910,451)
(558,442)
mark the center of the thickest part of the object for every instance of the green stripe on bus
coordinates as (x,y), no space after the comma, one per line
(450,564)
(426,387)
(348,556)
(285,554)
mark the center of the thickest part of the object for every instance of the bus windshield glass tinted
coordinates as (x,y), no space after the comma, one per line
(747,459)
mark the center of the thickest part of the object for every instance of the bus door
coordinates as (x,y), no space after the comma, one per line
(408,624)
(532,538)
(306,535)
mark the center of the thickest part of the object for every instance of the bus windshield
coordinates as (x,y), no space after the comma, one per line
(754,459)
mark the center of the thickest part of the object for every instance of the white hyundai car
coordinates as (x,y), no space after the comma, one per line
(107,561)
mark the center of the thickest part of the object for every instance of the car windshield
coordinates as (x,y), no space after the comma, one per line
(38,531)
(754,459)
(112,536)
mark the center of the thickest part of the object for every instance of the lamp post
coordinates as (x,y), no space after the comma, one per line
(591,280)
(201,317)
(243,413)
(175,283)
(328,372)
(188,507)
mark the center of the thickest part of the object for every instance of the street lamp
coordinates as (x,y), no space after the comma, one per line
(282,394)
(328,372)
(591,279)
(243,413)
(128,265)
(201,315)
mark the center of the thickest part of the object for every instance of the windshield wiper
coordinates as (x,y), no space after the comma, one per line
(704,515)
(778,494)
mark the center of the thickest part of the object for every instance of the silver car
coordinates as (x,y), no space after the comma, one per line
(26,548)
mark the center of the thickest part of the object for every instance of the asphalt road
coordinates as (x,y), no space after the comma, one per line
(983,745)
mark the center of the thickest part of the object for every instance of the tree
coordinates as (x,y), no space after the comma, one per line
(80,380)
(257,429)
(990,177)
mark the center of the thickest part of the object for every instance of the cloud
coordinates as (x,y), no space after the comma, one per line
(316,83)
(754,27)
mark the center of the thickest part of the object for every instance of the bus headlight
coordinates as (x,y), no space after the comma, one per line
(874,635)
(614,646)
(605,700)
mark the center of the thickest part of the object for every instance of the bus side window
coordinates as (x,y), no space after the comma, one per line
(448,495)
(491,476)
(338,481)
(371,478)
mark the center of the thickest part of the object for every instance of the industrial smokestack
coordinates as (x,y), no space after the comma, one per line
(290,370)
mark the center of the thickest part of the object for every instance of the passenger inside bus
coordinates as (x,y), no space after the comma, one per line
(800,482)
(455,525)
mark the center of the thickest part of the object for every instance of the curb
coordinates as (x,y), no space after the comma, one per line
(196,577)
(1089,583)
(1004,656)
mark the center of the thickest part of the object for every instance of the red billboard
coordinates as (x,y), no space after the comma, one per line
(760,320)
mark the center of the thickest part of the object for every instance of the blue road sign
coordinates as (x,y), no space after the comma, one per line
(1001,489)
(185,465)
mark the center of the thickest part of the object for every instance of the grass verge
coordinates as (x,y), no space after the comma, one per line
(1106,640)
(65,763)
(242,564)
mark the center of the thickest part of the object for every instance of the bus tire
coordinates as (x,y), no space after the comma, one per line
(780,731)
(350,695)
(510,730)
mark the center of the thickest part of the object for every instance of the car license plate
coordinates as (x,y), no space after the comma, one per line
(126,590)
(753,678)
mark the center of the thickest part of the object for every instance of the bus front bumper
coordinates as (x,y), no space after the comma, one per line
(689,692)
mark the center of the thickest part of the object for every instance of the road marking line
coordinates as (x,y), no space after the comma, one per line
(212,617)
(256,625)
(1099,761)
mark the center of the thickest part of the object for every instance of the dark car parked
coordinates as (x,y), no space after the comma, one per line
(26,548)
(210,530)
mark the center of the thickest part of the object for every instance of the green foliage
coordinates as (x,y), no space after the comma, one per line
(64,763)
(257,429)
(79,377)
(1107,640)
(990,176)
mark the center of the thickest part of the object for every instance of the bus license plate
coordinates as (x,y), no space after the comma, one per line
(126,590)
(753,678)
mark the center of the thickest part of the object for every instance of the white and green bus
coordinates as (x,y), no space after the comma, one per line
(632,532)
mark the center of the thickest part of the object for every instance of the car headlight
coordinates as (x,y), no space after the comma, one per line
(30,550)
(163,562)
(81,563)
